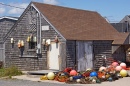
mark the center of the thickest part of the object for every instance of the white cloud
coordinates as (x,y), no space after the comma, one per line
(14,10)
(54,2)
(2,10)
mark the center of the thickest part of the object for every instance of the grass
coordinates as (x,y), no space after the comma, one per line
(9,72)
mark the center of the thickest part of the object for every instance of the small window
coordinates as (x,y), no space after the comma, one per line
(32,45)
(32,42)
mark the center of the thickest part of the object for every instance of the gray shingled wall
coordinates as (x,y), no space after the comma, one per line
(101,48)
(21,31)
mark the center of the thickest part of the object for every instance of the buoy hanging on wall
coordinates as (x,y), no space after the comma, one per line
(22,43)
(19,43)
(12,40)
(44,41)
(56,39)
(28,39)
(35,39)
(48,42)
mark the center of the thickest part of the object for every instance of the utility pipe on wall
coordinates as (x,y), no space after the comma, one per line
(38,33)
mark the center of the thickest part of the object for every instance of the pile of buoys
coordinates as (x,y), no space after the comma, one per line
(110,73)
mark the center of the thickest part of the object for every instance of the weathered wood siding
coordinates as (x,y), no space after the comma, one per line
(63,56)
(71,54)
(20,32)
(2,52)
(101,48)
(51,34)
(28,23)
(84,52)
(120,53)
(5,25)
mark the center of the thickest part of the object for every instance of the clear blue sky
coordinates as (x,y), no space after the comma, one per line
(114,10)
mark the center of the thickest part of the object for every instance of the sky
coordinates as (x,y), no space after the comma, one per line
(113,10)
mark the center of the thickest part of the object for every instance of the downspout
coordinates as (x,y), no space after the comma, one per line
(38,51)
(38,33)
(75,56)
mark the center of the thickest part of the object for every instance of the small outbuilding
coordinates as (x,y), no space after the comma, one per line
(121,51)
(6,22)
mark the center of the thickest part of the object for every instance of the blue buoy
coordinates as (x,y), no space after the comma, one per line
(110,79)
(77,77)
(93,74)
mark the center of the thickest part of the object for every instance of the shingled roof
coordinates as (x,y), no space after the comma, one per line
(76,24)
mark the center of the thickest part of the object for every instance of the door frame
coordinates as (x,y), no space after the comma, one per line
(48,55)
(77,52)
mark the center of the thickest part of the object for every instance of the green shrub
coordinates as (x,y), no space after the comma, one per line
(11,71)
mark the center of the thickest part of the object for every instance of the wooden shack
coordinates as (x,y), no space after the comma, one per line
(6,22)
(55,37)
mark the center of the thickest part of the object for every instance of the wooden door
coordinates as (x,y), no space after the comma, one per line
(89,54)
(53,56)
(2,52)
(84,55)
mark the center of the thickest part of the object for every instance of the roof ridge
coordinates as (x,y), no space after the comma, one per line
(64,7)
(9,17)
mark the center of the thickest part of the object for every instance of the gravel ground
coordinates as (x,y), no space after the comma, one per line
(29,83)
(35,81)
(19,82)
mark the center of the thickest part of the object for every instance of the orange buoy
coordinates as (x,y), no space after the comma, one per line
(73,72)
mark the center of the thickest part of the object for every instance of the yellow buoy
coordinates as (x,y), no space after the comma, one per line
(50,75)
(44,77)
(123,73)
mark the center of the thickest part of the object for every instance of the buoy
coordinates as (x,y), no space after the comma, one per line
(93,81)
(118,68)
(77,77)
(89,69)
(73,73)
(43,77)
(123,65)
(71,78)
(92,74)
(50,75)
(110,79)
(115,64)
(78,80)
(104,77)
(107,75)
(28,39)
(123,73)
(102,68)
(22,43)
(19,43)
(98,81)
